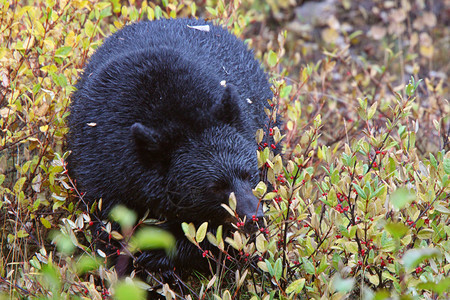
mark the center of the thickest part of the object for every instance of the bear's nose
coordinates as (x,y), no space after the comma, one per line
(254,223)
(248,207)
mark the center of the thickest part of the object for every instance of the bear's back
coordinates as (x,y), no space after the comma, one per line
(216,50)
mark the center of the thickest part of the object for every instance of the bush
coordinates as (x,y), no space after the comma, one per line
(357,206)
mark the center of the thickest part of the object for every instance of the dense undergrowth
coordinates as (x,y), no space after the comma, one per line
(357,206)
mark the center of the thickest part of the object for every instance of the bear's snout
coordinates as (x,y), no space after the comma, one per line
(248,206)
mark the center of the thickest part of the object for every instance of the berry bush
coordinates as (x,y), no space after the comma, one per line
(356,204)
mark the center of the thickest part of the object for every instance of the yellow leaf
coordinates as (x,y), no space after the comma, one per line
(70,39)
(49,43)
(352,247)
(38,29)
(374,279)
(261,243)
(201,232)
(89,28)
(19,184)
(427,51)
(262,265)
(23,11)
(21,233)
(124,11)
(329,35)
(4,51)
(46,223)
(426,233)
(81,4)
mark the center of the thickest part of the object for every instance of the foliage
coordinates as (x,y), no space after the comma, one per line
(357,206)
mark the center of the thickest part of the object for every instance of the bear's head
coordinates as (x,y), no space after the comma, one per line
(202,161)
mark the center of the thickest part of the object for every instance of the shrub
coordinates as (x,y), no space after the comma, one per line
(357,206)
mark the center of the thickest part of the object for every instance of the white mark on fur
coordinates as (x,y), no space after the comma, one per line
(200,27)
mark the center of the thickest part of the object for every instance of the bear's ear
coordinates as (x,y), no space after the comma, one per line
(148,144)
(144,136)
(227,109)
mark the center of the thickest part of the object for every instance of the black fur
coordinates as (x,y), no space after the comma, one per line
(168,136)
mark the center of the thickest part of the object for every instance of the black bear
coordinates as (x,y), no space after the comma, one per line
(164,119)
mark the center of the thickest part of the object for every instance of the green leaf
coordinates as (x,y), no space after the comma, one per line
(446,164)
(442,286)
(433,161)
(379,191)
(272,59)
(63,51)
(343,285)
(185,227)
(219,234)
(269,267)
(260,189)
(402,197)
(381,295)
(124,216)
(211,239)
(296,286)
(116,5)
(336,259)
(63,242)
(397,230)
(285,91)
(105,13)
(372,110)
(59,79)
(89,28)
(401,130)
(277,269)
(352,233)
(323,265)
(363,103)
(158,12)
(355,34)
(52,277)
(425,233)
(332,198)
(391,166)
(442,209)
(201,232)
(445,181)
(212,11)
(232,202)
(149,238)
(335,176)
(127,290)
(308,266)
(409,90)
(412,258)
(86,264)
(360,191)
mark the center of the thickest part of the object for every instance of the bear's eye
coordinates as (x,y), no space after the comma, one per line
(246,176)
(220,186)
